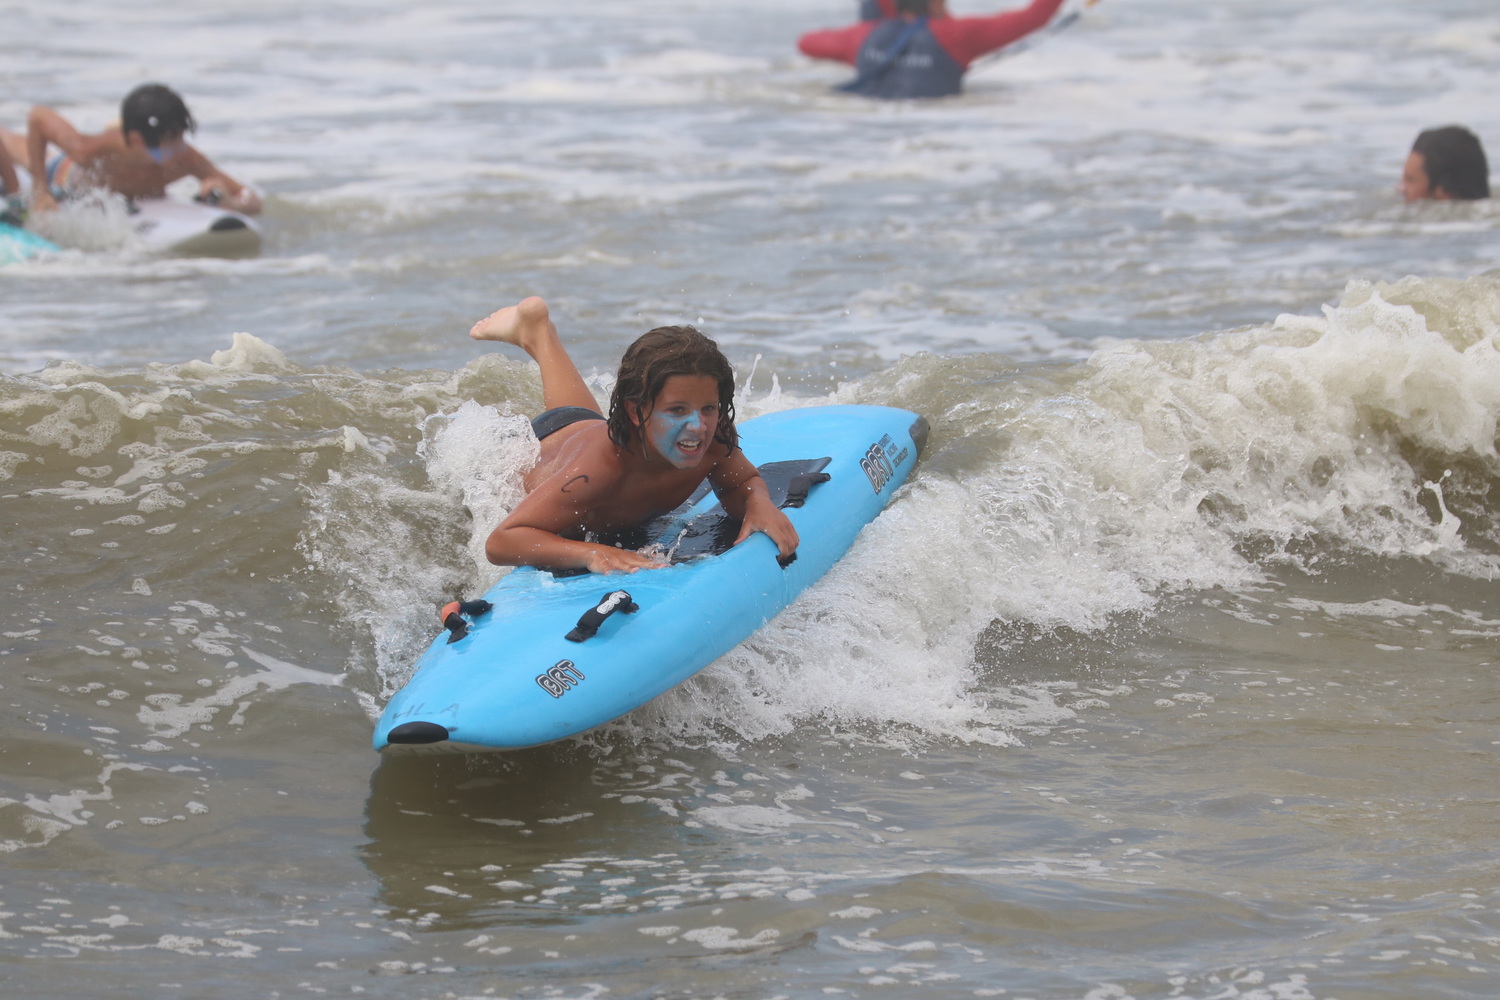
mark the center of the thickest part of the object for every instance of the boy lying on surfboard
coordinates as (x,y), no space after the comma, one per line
(137,158)
(670,427)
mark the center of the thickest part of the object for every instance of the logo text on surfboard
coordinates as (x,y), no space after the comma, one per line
(560,679)
(880,462)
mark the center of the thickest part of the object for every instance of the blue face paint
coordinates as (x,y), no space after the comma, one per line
(161,154)
(669,432)
(683,419)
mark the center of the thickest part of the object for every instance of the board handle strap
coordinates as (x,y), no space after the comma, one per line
(588,625)
(456,616)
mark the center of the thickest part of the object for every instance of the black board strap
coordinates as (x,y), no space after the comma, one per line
(588,625)
(457,616)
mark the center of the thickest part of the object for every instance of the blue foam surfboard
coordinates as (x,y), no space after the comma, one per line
(556,656)
(22,244)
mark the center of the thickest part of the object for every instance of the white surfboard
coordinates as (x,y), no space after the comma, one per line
(185,228)
(193,229)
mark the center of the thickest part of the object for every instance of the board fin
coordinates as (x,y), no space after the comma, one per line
(416,733)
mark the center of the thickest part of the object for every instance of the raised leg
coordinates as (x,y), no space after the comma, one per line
(528,326)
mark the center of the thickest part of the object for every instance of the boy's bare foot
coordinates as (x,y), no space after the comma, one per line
(524,324)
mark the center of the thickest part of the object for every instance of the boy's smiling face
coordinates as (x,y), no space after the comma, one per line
(683,419)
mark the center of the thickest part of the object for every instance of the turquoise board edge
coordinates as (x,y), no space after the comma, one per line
(22,244)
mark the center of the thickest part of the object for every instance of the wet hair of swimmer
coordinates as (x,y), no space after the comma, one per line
(1454,161)
(921,8)
(156,112)
(656,356)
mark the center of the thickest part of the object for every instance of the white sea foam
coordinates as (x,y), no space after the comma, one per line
(1274,533)
(168,716)
(1096,490)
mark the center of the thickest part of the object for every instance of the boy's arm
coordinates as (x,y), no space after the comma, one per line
(744,495)
(231,193)
(522,545)
(43,126)
(532,534)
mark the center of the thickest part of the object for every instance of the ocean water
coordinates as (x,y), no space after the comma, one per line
(1170,673)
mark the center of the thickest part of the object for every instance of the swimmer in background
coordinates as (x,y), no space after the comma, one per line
(1446,164)
(918,50)
(600,479)
(136,158)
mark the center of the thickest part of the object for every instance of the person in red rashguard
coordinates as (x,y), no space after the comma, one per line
(921,52)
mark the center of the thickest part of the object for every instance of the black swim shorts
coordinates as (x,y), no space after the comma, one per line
(554,420)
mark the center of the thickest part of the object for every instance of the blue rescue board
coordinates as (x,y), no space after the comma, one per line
(555,656)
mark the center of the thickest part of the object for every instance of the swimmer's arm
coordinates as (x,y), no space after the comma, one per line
(744,494)
(232,194)
(532,534)
(44,126)
(969,38)
(838,44)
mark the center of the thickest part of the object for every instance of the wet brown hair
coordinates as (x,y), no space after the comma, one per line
(1454,161)
(656,356)
(156,112)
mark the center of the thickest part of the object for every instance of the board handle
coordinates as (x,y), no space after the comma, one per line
(456,615)
(588,625)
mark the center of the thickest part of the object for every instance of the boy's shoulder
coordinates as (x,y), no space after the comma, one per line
(112,135)
(584,446)
(108,142)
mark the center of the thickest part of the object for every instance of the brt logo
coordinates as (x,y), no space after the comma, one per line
(561,679)
(877,466)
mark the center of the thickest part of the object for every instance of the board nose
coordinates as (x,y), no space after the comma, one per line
(409,733)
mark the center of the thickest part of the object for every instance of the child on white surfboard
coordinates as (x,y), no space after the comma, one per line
(136,158)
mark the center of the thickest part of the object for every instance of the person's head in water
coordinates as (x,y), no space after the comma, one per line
(156,114)
(656,356)
(922,8)
(1446,164)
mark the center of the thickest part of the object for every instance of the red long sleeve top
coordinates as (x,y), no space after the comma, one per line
(963,38)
